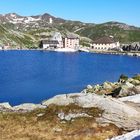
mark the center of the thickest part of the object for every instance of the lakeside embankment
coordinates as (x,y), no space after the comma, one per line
(136,54)
(116,53)
(98,112)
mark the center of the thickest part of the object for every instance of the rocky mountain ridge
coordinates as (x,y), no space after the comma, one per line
(38,26)
(18,19)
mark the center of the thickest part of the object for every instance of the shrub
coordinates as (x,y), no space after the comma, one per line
(137,77)
(123,77)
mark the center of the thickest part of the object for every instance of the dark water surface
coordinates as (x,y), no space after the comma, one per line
(32,76)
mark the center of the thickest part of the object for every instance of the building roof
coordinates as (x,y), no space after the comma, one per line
(72,36)
(105,40)
(50,42)
(57,36)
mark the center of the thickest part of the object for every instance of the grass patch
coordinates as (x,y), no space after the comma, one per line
(42,124)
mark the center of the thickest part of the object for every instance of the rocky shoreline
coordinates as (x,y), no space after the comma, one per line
(114,105)
(124,87)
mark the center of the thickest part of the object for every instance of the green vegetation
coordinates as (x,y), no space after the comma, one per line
(30,36)
(15,38)
(84,43)
(123,77)
(124,36)
(137,77)
(2,31)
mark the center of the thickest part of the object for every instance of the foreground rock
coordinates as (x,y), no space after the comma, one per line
(6,107)
(115,111)
(129,89)
(56,123)
(71,116)
(134,99)
(28,107)
(123,88)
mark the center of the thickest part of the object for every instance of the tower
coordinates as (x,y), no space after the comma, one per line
(50,20)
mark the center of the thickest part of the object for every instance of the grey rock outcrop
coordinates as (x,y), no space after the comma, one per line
(137,89)
(92,100)
(27,107)
(5,107)
(134,99)
(89,87)
(133,81)
(124,87)
(115,111)
(107,85)
(60,100)
(129,90)
(71,116)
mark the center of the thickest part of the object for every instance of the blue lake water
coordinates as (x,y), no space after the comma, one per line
(136,138)
(32,76)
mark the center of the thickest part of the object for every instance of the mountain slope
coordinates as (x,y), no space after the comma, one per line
(124,34)
(27,31)
(15,39)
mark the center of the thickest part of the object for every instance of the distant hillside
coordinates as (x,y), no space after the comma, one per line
(124,33)
(23,31)
(16,39)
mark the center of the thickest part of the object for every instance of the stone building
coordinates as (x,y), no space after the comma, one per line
(105,43)
(71,41)
(54,42)
(49,44)
(57,36)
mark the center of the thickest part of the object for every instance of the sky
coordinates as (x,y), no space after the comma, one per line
(90,11)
